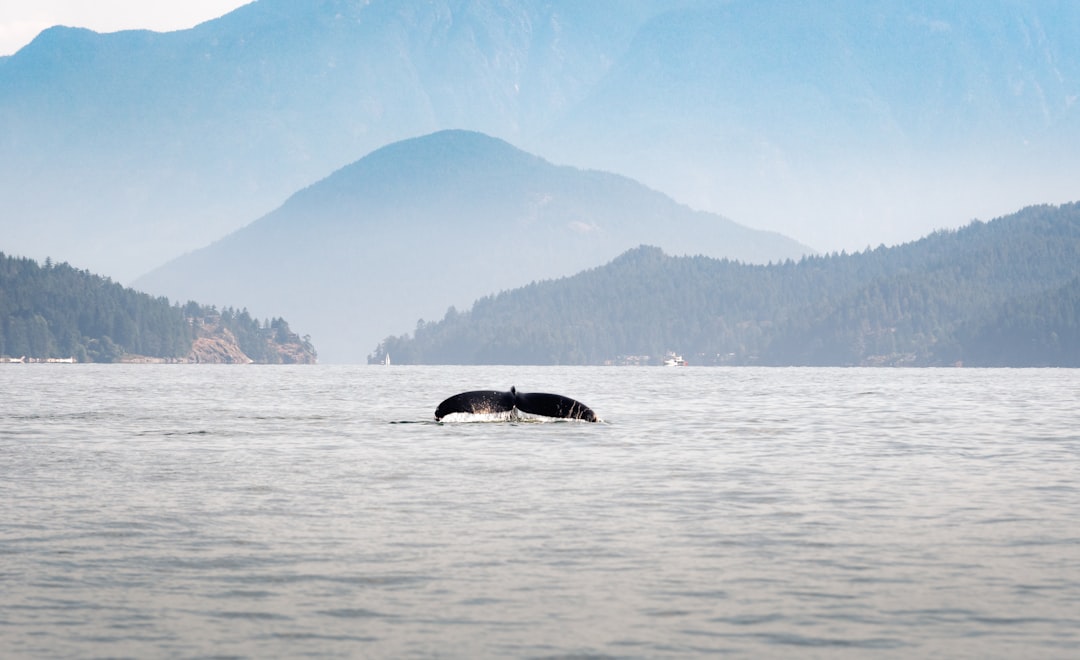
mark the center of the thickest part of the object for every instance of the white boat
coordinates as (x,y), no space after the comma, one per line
(674,360)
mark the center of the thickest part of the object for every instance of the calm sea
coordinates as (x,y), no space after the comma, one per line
(202,511)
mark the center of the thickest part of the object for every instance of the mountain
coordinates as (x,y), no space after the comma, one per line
(1003,293)
(127,149)
(842,123)
(436,221)
(56,312)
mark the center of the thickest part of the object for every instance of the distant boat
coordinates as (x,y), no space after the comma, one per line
(673,360)
(386,360)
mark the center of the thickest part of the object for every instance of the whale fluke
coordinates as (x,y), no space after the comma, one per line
(482,402)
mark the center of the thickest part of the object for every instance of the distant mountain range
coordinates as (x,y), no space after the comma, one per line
(436,221)
(1003,293)
(128,149)
(842,123)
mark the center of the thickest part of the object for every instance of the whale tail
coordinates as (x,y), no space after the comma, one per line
(479,402)
(554,405)
(482,402)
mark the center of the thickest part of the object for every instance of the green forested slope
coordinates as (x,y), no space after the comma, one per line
(55,310)
(1002,292)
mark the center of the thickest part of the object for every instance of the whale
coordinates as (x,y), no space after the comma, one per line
(487,402)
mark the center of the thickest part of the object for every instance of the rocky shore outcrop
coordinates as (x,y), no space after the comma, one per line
(222,348)
(217,344)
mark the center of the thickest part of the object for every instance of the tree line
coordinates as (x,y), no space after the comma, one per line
(1000,293)
(55,310)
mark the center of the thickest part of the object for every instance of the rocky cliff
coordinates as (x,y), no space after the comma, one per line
(221,348)
(217,344)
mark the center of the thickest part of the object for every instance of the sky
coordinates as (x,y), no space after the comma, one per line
(22,20)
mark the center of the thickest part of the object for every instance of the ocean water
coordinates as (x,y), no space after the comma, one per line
(224,511)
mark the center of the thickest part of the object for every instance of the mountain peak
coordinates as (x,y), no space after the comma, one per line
(434,221)
(451,150)
(449,162)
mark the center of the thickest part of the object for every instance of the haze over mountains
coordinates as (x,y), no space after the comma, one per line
(841,123)
(435,221)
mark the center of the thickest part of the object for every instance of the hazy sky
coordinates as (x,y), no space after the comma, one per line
(22,20)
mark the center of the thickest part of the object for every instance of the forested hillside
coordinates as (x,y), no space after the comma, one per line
(1002,293)
(57,311)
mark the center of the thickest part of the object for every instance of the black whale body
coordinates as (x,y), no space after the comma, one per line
(536,403)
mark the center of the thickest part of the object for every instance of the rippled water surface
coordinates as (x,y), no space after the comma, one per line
(193,511)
